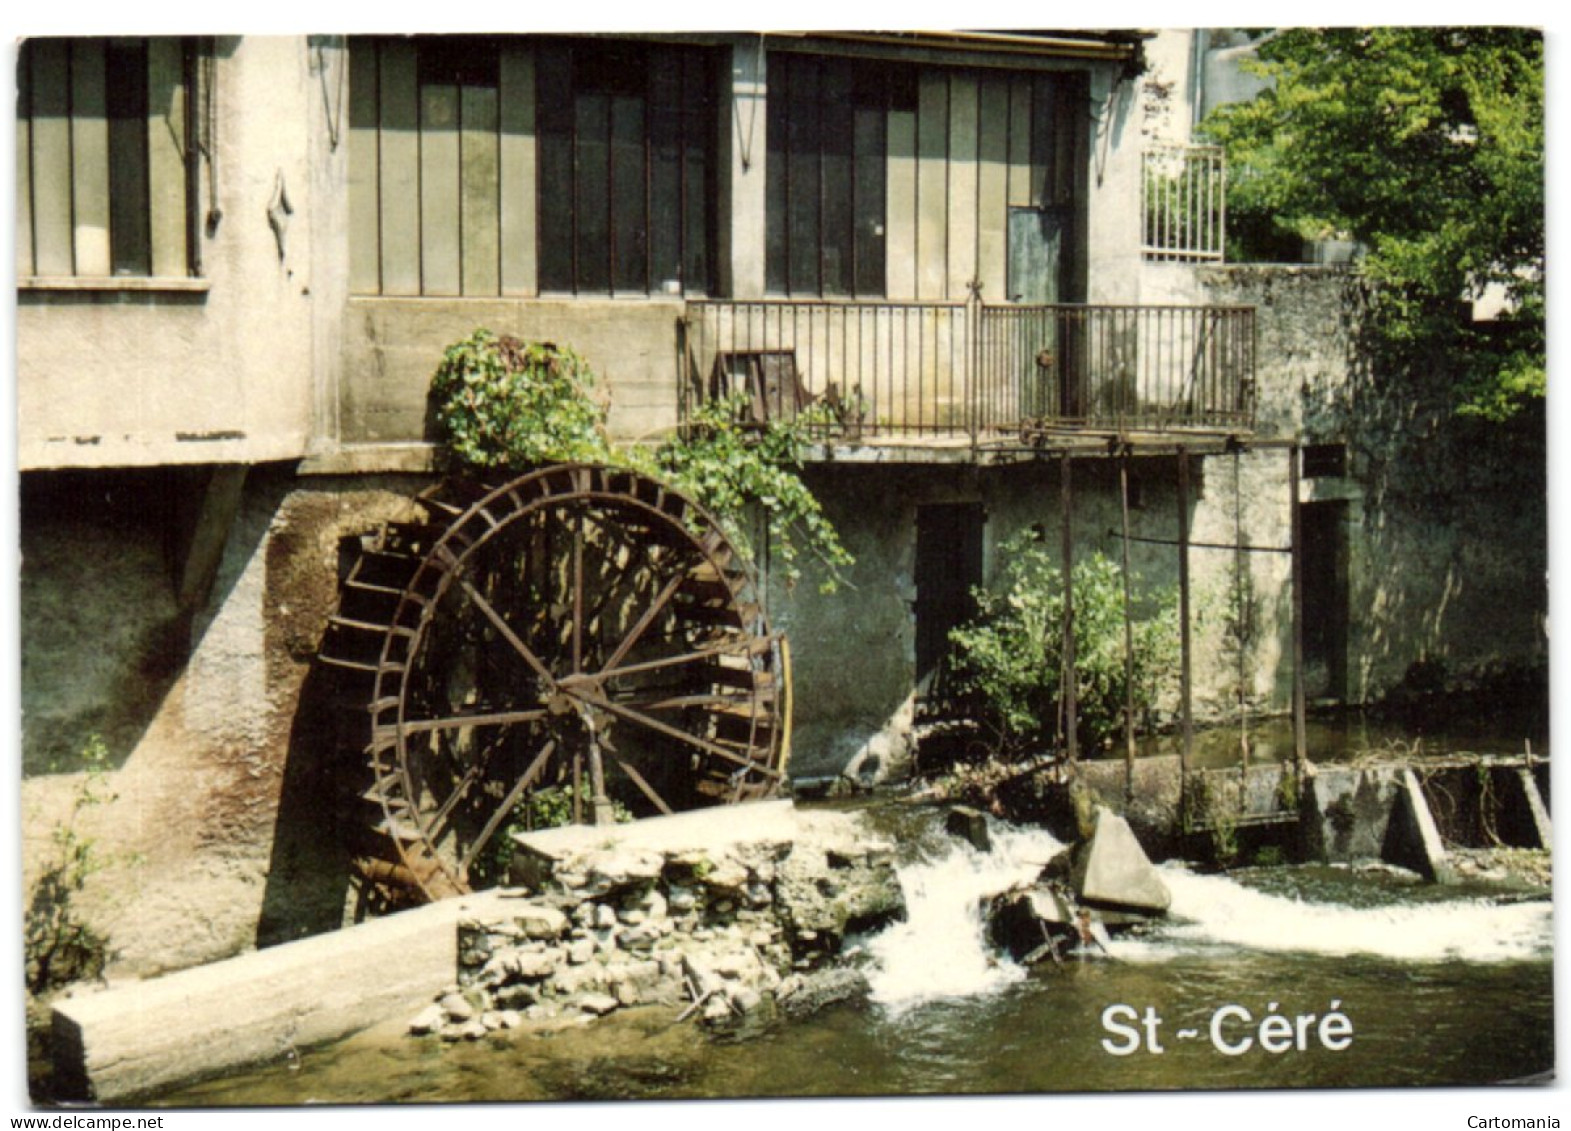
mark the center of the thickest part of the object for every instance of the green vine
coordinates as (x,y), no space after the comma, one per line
(503,403)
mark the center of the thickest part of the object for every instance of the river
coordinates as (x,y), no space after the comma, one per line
(1426,986)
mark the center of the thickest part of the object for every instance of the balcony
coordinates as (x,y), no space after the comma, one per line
(946,374)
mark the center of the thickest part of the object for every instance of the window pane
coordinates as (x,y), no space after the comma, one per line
(665,169)
(803,139)
(838,125)
(126,78)
(629,200)
(591,189)
(554,121)
(699,189)
(871,165)
(777,237)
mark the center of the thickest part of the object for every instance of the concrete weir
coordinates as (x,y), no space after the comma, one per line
(133,1039)
(1403,811)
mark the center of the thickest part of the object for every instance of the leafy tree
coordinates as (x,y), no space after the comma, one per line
(1425,145)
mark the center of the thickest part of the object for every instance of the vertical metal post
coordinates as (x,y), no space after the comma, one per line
(1070,676)
(1129,639)
(1245,613)
(1300,738)
(1185,688)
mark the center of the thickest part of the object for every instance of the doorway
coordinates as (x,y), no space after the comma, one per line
(948,567)
(1324,526)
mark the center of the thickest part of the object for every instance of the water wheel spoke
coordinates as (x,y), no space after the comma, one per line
(472,775)
(506,630)
(638,779)
(656,607)
(678,702)
(702,655)
(481,719)
(505,809)
(679,734)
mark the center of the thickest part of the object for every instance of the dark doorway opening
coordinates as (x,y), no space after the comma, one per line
(948,567)
(1325,600)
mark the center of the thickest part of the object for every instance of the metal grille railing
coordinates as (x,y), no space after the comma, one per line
(893,369)
(876,368)
(1183,191)
(1116,367)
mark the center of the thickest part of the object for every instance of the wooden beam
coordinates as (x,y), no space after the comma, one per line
(478,165)
(960,266)
(932,228)
(440,270)
(51,163)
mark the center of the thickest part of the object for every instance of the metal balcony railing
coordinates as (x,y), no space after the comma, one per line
(1183,191)
(891,370)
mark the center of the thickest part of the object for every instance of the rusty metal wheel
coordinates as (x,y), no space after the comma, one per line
(582,639)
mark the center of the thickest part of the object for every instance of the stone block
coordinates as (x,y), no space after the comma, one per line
(1113,870)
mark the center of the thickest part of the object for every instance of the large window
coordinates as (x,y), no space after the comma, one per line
(627,168)
(518,165)
(889,179)
(828,131)
(102,148)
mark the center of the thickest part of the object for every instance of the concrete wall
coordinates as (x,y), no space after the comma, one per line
(1447,516)
(222,831)
(393,346)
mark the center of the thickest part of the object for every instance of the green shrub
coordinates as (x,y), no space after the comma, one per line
(504,403)
(1009,658)
(501,403)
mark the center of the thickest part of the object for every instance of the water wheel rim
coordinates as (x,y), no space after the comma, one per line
(397,762)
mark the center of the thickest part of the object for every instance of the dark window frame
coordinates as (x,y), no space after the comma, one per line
(826,210)
(628,134)
(126,94)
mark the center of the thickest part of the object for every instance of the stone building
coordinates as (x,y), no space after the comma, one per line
(239,259)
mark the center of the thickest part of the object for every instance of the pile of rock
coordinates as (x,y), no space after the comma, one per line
(720,931)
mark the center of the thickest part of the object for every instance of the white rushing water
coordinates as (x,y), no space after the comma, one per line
(1211,911)
(941,951)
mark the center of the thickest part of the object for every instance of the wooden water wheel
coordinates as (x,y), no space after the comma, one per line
(583,636)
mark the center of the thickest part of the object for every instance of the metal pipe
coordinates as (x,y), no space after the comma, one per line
(1129,641)
(1185,644)
(1300,741)
(1069,675)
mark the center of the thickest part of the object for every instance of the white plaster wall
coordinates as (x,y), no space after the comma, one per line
(131,378)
